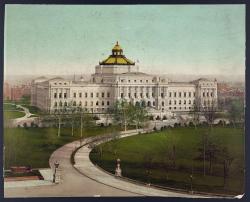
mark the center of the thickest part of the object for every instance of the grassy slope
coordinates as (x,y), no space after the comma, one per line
(134,150)
(13,114)
(33,146)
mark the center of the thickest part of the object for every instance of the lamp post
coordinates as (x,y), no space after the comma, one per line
(118,170)
(191,181)
(56,165)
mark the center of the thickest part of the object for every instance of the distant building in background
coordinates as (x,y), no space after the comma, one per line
(15,93)
(6,91)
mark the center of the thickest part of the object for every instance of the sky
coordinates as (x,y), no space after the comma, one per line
(169,39)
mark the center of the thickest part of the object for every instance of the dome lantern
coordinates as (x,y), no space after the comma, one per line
(117,57)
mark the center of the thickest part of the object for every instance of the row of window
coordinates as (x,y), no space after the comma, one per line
(64,95)
(140,81)
(97,103)
(207,94)
(185,94)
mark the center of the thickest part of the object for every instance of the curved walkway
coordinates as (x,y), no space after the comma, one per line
(84,179)
(87,168)
(73,183)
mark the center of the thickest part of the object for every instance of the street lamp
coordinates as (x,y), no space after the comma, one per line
(191,181)
(56,165)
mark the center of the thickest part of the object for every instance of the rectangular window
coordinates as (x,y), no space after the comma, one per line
(189,94)
(184,94)
(86,103)
(65,95)
(80,94)
(102,103)
(91,95)
(194,94)
(141,95)
(91,103)
(162,95)
(108,94)
(179,94)
(74,94)
(129,95)
(203,94)
(55,95)
(170,94)
(86,94)
(121,95)
(179,102)
(174,94)
(97,94)
(207,94)
(211,94)
(141,81)
(108,103)
(60,95)
(135,95)
(102,94)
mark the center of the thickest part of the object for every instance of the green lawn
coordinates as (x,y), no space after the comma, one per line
(137,152)
(13,114)
(33,109)
(33,146)
(8,106)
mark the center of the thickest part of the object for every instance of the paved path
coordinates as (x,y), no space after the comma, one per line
(86,167)
(73,183)
(25,119)
(84,179)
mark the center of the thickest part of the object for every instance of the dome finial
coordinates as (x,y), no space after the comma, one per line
(117,43)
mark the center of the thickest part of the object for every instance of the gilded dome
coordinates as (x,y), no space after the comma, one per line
(117,57)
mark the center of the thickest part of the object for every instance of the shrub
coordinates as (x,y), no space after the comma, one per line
(158,118)
(151,117)
(164,118)
(191,124)
(96,118)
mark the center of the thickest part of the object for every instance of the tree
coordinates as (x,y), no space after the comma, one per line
(226,160)
(121,112)
(59,113)
(209,112)
(138,115)
(195,112)
(71,110)
(236,111)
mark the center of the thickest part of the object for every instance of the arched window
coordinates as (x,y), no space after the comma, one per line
(170,102)
(162,103)
(102,103)
(189,102)
(97,103)
(149,104)
(80,103)
(137,104)
(60,103)
(65,103)
(175,102)
(153,103)
(74,103)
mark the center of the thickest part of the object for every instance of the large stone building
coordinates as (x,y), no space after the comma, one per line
(117,78)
